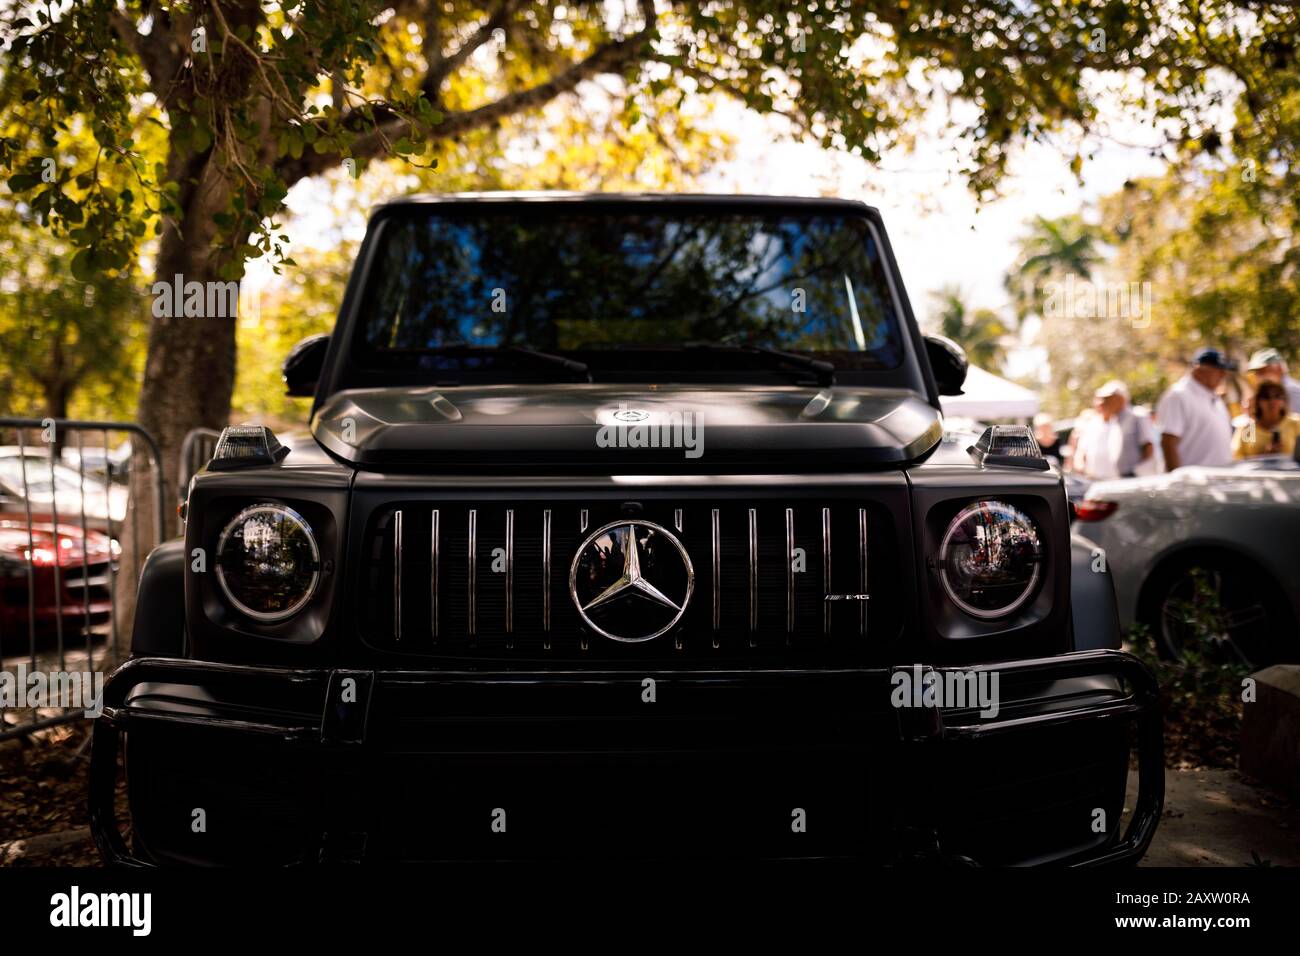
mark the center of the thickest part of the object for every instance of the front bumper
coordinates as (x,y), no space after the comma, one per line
(233,764)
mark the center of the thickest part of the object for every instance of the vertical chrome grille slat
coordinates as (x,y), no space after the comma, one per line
(862,565)
(473,573)
(546,577)
(747,606)
(397,575)
(789,572)
(717,574)
(826,569)
(433,573)
(753,575)
(510,576)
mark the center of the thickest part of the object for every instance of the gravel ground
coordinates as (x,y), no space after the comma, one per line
(43,799)
(1222,818)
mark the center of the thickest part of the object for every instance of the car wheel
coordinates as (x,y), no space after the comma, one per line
(1227,611)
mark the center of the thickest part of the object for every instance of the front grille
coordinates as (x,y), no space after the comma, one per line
(91,584)
(490,580)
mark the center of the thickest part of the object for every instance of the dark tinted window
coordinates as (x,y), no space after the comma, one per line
(568,280)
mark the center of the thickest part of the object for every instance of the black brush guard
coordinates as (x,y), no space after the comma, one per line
(350,757)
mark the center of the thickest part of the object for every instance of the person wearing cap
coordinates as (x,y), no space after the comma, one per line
(1112,441)
(1196,427)
(1267,365)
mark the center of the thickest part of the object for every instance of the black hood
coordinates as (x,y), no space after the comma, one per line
(620,427)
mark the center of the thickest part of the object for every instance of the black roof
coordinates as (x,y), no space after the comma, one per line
(623,199)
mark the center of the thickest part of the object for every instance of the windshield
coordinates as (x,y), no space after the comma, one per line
(448,288)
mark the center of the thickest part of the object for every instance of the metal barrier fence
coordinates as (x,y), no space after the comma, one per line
(70,571)
(196,451)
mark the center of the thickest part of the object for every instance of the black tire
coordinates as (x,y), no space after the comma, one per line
(1237,613)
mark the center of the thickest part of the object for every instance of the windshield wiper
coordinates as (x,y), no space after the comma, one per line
(542,358)
(573,365)
(825,371)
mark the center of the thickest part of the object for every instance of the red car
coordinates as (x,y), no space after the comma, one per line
(79,590)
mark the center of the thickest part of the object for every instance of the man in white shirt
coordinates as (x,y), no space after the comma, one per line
(1112,440)
(1196,427)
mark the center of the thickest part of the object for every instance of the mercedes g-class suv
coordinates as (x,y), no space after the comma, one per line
(628,527)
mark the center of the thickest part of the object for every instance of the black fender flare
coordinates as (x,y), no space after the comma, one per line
(159,626)
(1094,611)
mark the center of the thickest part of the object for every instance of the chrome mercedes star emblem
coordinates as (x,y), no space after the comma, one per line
(631,580)
(631,415)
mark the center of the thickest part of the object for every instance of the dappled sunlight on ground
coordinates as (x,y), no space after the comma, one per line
(1221,818)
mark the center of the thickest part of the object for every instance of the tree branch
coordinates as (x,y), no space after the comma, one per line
(611,57)
(443,65)
(800,122)
(159,51)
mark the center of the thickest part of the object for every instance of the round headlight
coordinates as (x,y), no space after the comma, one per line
(990,559)
(267,562)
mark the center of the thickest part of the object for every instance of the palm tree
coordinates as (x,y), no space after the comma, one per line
(1052,249)
(982,333)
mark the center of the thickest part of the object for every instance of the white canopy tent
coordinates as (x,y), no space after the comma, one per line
(986,397)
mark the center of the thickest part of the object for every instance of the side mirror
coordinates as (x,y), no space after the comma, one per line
(948,362)
(302,367)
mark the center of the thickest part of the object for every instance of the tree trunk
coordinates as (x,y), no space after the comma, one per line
(56,399)
(57,392)
(189,374)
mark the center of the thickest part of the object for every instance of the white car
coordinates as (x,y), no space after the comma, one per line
(1240,525)
(104,503)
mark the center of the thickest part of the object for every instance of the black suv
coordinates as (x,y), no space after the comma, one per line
(629,527)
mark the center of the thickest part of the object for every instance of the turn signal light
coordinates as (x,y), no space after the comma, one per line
(1012,445)
(244,446)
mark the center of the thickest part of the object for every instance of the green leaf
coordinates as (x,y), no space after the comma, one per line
(83,265)
(201,138)
(23,182)
(69,209)
(233,270)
